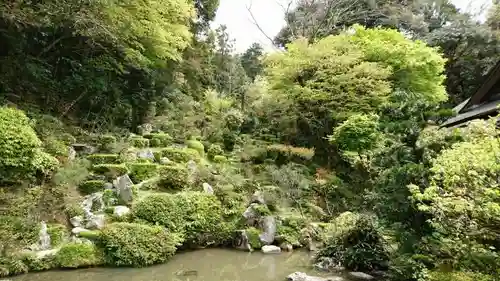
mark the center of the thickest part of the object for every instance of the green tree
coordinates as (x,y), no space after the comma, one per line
(251,60)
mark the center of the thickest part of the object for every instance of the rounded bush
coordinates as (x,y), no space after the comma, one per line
(89,187)
(21,155)
(180,155)
(75,255)
(173,177)
(57,233)
(142,171)
(196,215)
(196,145)
(130,244)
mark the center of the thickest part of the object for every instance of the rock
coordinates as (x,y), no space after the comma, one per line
(301,276)
(96,222)
(328,264)
(208,188)
(241,241)
(146,154)
(360,276)
(269,228)
(270,249)
(108,185)
(258,197)
(250,214)
(71,153)
(46,253)
(84,149)
(76,221)
(287,247)
(92,202)
(123,185)
(165,161)
(121,211)
(78,230)
(145,129)
(44,237)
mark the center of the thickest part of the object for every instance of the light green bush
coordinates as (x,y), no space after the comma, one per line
(21,154)
(57,233)
(219,159)
(142,171)
(139,142)
(89,187)
(180,155)
(459,276)
(196,145)
(35,263)
(111,170)
(173,177)
(55,147)
(75,255)
(97,159)
(196,215)
(107,142)
(253,237)
(130,244)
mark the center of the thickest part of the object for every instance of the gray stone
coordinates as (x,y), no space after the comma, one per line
(271,249)
(287,247)
(146,154)
(301,276)
(241,241)
(84,149)
(258,197)
(360,276)
(46,253)
(108,185)
(250,214)
(269,228)
(96,222)
(91,203)
(165,161)
(121,211)
(78,230)
(76,221)
(145,129)
(71,153)
(208,188)
(123,185)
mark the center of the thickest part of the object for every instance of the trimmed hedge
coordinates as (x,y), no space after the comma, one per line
(173,177)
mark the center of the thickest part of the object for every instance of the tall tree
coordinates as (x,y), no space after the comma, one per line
(251,60)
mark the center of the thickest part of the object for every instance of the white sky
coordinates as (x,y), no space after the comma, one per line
(269,15)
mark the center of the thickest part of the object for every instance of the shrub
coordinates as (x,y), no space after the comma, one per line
(57,233)
(173,177)
(20,149)
(290,227)
(92,186)
(75,255)
(283,154)
(97,159)
(111,170)
(196,145)
(107,142)
(180,155)
(354,242)
(219,159)
(253,237)
(214,150)
(142,171)
(196,215)
(12,266)
(55,147)
(139,142)
(159,139)
(130,244)
(35,263)
(73,210)
(459,276)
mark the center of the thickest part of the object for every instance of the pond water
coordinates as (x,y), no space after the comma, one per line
(201,265)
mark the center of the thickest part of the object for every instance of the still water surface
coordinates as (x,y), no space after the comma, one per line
(201,265)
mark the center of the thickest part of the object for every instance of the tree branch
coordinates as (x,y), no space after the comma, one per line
(254,21)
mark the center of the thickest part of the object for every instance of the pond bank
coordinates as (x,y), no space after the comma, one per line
(200,265)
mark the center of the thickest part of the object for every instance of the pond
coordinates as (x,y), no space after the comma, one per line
(201,265)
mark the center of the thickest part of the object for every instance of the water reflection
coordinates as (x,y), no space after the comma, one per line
(201,265)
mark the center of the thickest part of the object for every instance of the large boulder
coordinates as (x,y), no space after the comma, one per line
(301,276)
(258,197)
(251,215)
(208,188)
(120,211)
(271,249)
(96,222)
(360,276)
(76,221)
(241,241)
(269,230)
(123,185)
(146,154)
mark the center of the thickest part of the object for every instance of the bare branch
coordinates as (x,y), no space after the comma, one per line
(254,21)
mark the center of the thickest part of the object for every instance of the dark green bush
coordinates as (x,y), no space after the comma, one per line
(111,170)
(73,210)
(21,155)
(97,159)
(159,139)
(289,228)
(253,237)
(355,243)
(75,255)
(142,171)
(173,177)
(196,215)
(35,263)
(130,244)
(139,142)
(214,150)
(180,155)
(219,159)
(12,266)
(89,187)
(107,142)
